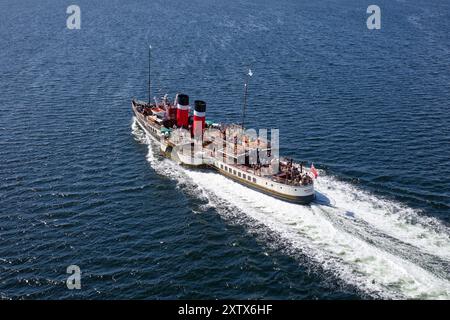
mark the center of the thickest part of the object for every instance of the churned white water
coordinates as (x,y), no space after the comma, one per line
(384,248)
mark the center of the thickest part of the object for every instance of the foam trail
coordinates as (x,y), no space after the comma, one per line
(356,261)
(313,230)
(393,219)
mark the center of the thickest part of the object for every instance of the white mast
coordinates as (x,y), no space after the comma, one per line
(247,79)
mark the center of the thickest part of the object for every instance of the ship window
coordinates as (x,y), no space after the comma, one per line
(295,189)
(234,172)
(249,178)
(221,166)
(244,176)
(254,180)
(239,174)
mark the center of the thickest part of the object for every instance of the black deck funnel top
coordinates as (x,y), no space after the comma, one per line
(200,106)
(183,99)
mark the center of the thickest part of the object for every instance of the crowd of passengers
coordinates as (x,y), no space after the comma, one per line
(292,174)
(288,173)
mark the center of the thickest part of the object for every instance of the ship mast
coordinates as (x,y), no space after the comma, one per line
(149,69)
(247,79)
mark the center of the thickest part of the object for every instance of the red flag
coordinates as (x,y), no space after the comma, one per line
(314,171)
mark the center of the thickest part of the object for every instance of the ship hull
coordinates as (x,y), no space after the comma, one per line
(149,130)
(299,199)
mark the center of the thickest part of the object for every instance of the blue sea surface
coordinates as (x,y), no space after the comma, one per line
(80,184)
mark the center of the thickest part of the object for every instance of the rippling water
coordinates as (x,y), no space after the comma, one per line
(81,184)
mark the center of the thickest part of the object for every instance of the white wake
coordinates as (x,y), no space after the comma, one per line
(384,248)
